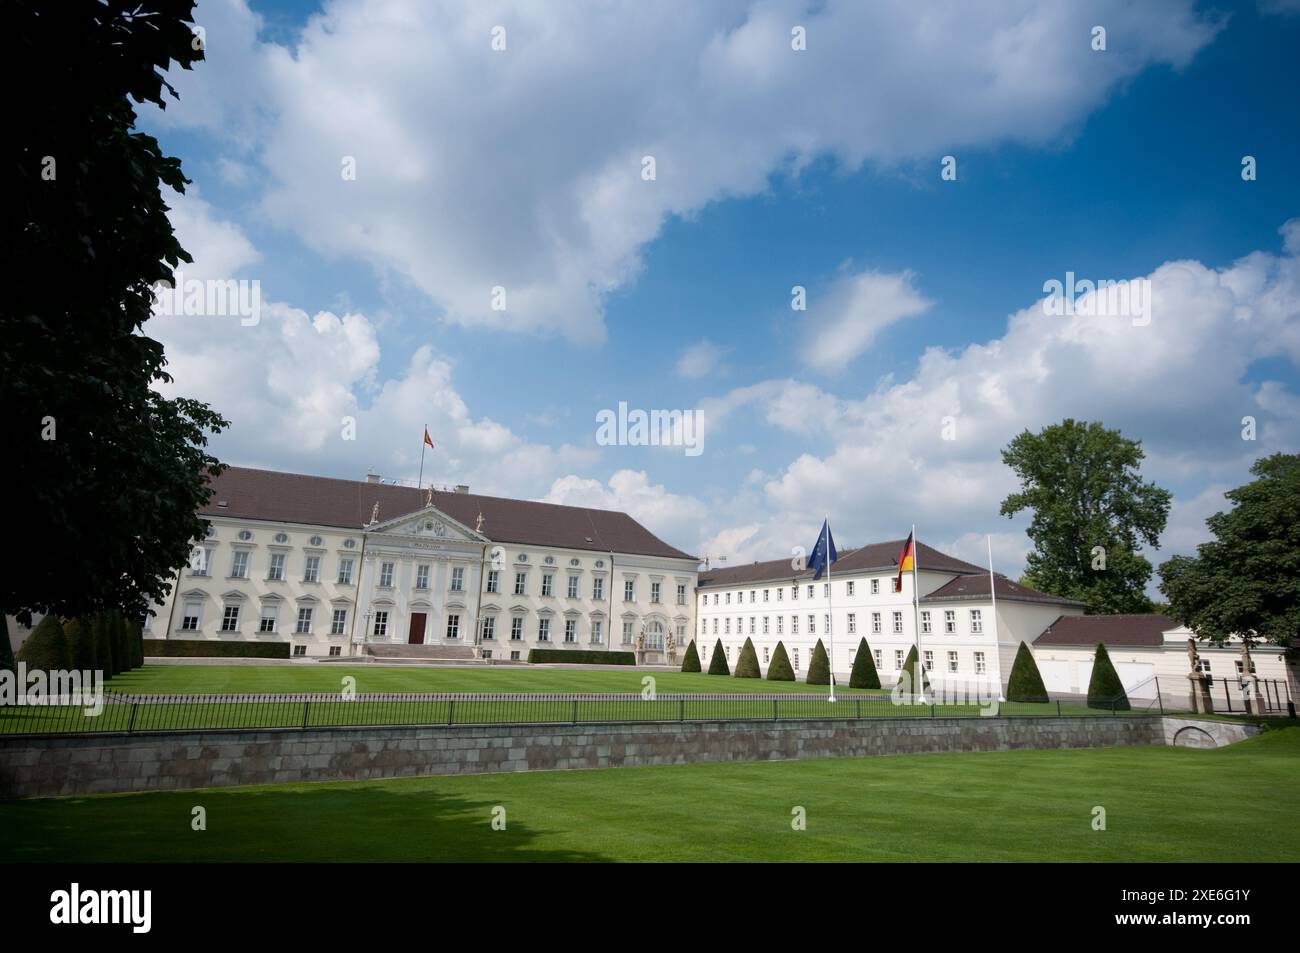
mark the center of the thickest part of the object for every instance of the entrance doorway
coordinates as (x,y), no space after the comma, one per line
(416,636)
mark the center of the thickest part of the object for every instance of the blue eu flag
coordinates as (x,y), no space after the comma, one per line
(823,554)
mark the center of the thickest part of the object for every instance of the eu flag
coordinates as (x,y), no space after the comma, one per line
(823,554)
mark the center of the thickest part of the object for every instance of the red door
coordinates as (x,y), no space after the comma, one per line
(417,629)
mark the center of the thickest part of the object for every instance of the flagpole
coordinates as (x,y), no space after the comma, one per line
(916,608)
(830,608)
(993,594)
(420,481)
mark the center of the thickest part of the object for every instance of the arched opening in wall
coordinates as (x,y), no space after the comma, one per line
(654,636)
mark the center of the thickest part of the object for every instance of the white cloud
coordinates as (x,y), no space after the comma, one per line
(857,308)
(672,517)
(699,360)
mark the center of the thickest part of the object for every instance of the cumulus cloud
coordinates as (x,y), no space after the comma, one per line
(699,360)
(857,308)
(673,517)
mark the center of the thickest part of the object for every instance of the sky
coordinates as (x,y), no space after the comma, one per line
(644,186)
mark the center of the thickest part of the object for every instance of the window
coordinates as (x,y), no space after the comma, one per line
(597,636)
(312,572)
(715,626)
(336,650)
(877,659)
(898,659)
(300,650)
(277,566)
(976,622)
(457,578)
(894,585)
(875,587)
(543,630)
(516,628)
(570,630)
(681,594)
(810,591)
(521,583)
(765,594)
(704,627)
(304,620)
(381,624)
(190,616)
(629,590)
(952,661)
(853,622)
(875,622)
(780,594)
(794,592)
(230,619)
(949,621)
(925,623)
(345,572)
(422,576)
(780,620)
(726,625)
(715,598)
(812,625)
(514,656)
(794,625)
(494,580)
(199,561)
(598,588)
(339,624)
(898,623)
(266,622)
(980,668)
(627,631)
(489,627)
(728,599)
(796,660)
(927,659)
(453,626)
(826,590)
(727,651)
(386,574)
(765,628)
(751,624)
(753,596)
(548,581)
(851,586)
(654,591)
(239,564)
(1204,666)
(765,655)
(573,587)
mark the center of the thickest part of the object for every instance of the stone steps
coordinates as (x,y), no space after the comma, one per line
(425,653)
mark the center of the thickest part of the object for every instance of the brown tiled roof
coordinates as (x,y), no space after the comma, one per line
(872,557)
(326,501)
(977,587)
(1147,628)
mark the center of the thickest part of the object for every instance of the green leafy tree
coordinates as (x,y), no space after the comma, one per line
(1105,690)
(718,663)
(819,666)
(780,670)
(1246,581)
(691,661)
(1026,682)
(135,636)
(864,674)
(46,649)
(112,472)
(1081,482)
(80,636)
(103,644)
(747,663)
(907,677)
(121,645)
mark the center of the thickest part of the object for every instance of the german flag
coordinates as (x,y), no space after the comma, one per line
(906,560)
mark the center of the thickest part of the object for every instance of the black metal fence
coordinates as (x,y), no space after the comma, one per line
(129,714)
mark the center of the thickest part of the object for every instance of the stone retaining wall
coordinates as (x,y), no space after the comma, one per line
(160,761)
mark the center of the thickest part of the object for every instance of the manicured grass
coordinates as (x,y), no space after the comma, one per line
(1162,804)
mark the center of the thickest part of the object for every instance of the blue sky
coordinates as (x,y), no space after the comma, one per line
(774,171)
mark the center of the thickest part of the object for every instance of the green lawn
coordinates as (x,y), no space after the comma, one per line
(1162,804)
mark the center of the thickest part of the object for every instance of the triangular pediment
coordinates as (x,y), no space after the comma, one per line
(427,523)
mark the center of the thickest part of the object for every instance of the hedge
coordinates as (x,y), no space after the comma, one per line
(747,663)
(46,649)
(80,636)
(864,674)
(718,664)
(691,663)
(201,648)
(780,670)
(819,668)
(103,644)
(581,656)
(1026,683)
(1105,690)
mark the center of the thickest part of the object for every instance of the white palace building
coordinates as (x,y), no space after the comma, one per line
(341,568)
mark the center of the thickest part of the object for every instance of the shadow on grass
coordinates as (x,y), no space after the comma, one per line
(405,820)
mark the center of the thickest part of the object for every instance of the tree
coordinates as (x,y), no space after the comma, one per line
(691,661)
(103,644)
(747,663)
(718,663)
(111,473)
(135,636)
(80,637)
(1025,683)
(6,647)
(780,670)
(907,677)
(1105,690)
(46,649)
(819,666)
(1091,512)
(121,647)
(864,674)
(1246,581)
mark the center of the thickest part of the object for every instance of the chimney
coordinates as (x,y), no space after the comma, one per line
(372,478)
(462,487)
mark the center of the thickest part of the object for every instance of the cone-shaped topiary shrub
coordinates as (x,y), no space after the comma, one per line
(718,664)
(1025,683)
(117,632)
(819,667)
(691,663)
(46,649)
(907,677)
(103,644)
(80,636)
(780,670)
(7,661)
(1105,690)
(864,674)
(135,636)
(747,664)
